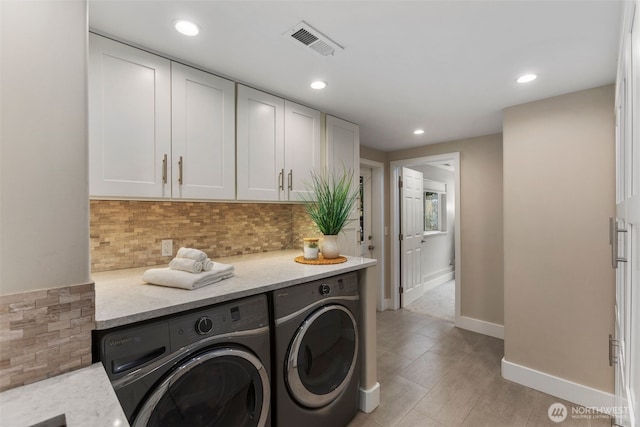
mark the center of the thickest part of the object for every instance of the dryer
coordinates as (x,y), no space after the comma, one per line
(206,367)
(316,352)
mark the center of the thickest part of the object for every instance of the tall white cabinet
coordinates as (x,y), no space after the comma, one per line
(157,128)
(129,121)
(278,146)
(343,154)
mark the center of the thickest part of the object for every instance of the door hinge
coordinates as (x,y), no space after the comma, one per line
(400,182)
(612,353)
(401,290)
(400,237)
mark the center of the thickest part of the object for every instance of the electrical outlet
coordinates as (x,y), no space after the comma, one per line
(167,247)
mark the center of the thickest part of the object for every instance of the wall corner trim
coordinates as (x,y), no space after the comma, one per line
(480,326)
(369,399)
(556,386)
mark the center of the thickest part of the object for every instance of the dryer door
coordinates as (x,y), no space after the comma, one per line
(322,356)
(221,387)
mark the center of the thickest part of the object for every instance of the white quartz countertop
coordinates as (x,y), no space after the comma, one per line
(85,397)
(123,298)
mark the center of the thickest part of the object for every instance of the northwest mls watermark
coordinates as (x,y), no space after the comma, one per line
(558,412)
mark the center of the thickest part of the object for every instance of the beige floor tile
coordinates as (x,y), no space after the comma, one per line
(451,400)
(540,416)
(418,419)
(429,368)
(362,420)
(436,328)
(397,397)
(389,364)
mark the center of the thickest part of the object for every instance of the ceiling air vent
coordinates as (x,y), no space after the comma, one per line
(313,39)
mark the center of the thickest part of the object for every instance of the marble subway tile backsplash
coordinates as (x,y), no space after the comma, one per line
(45,333)
(127,234)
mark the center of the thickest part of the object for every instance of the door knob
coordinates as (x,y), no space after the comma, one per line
(371,247)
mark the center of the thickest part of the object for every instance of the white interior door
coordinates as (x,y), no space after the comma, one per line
(625,232)
(411,232)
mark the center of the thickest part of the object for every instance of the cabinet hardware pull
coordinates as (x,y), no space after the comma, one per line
(281,179)
(180,171)
(164,169)
(613,241)
(290,179)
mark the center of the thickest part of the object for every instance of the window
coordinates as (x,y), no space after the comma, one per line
(435,211)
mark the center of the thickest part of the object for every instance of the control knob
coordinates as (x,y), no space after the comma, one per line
(325,289)
(204,325)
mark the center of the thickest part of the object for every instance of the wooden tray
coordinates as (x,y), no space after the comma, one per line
(320,261)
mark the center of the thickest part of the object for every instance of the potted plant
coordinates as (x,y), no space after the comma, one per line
(329,206)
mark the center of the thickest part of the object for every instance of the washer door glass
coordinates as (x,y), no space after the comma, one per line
(322,356)
(223,387)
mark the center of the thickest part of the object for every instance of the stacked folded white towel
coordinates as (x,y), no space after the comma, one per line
(190,269)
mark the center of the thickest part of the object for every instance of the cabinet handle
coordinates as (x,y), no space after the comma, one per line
(164,169)
(281,179)
(613,240)
(290,179)
(180,171)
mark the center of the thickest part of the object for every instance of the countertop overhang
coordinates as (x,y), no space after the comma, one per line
(122,297)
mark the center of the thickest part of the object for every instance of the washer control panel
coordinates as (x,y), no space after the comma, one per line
(244,314)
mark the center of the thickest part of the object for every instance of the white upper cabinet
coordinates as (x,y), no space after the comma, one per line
(203,134)
(278,146)
(260,145)
(129,121)
(303,149)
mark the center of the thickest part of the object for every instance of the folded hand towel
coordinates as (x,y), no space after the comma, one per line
(207,265)
(184,280)
(191,254)
(186,264)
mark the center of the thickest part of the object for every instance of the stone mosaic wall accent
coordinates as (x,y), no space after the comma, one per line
(45,333)
(127,234)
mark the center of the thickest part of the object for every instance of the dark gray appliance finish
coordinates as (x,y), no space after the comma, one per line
(207,367)
(316,362)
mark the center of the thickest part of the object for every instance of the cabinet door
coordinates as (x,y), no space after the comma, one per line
(203,134)
(260,145)
(343,153)
(302,149)
(129,121)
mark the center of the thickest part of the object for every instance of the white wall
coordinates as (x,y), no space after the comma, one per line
(438,250)
(44,226)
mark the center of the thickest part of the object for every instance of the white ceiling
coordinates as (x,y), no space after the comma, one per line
(446,66)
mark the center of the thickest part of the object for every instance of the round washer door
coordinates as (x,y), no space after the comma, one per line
(322,356)
(221,387)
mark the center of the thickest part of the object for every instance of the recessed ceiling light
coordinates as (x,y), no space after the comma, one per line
(418,132)
(527,78)
(186,28)
(318,84)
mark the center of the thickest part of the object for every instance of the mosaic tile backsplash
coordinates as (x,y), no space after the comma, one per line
(45,333)
(127,234)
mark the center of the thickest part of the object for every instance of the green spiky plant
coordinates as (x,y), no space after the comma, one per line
(332,200)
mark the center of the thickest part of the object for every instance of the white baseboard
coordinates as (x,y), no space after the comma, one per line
(369,399)
(386,305)
(448,275)
(480,326)
(556,386)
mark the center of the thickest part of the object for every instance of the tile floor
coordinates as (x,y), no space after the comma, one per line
(439,302)
(433,374)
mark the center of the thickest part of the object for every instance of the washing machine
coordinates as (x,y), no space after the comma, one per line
(316,353)
(207,367)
